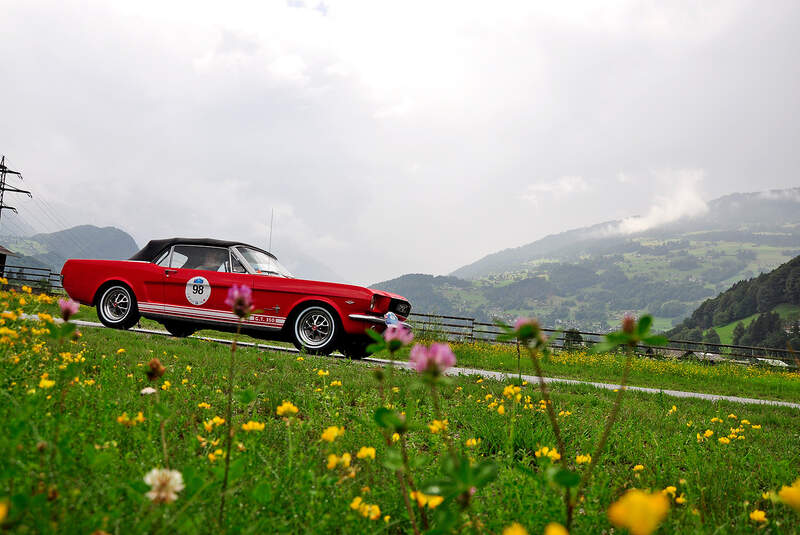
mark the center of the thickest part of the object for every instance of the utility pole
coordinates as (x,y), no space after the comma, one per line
(5,187)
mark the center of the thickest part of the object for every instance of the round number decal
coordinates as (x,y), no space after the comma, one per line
(198,290)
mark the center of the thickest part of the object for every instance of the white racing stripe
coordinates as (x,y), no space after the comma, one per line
(260,320)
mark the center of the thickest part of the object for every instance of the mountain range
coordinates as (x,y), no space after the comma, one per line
(589,277)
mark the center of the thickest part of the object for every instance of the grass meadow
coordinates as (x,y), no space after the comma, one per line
(79,437)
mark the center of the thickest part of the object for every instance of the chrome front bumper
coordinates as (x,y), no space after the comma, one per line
(376,319)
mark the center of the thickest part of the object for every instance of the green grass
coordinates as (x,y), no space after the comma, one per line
(723,379)
(280,483)
(725,332)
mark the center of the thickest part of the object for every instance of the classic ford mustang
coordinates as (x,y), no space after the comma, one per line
(182,283)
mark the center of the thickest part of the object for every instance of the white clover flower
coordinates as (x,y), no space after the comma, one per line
(164,485)
(146,391)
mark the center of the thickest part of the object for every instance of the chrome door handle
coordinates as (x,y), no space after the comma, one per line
(168,271)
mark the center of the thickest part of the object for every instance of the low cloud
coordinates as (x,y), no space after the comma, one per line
(683,201)
(781,195)
(562,187)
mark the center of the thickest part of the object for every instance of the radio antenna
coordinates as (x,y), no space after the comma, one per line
(271,218)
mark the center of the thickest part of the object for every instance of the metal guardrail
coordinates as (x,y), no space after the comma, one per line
(40,279)
(468,329)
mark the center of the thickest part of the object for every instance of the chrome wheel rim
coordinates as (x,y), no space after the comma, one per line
(116,304)
(314,327)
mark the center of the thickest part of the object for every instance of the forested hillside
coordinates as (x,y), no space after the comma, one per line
(764,311)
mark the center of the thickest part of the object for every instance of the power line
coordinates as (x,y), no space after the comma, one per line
(4,187)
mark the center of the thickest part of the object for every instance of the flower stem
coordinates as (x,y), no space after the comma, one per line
(551,413)
(409,480)
(438,412)
(229,425)
(612,416)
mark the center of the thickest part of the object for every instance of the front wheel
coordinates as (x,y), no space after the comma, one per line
(117,308)
(315,329)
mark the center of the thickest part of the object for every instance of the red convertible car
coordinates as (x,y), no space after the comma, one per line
(182,283)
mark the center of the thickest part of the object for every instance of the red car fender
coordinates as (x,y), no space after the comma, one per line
(137,292)
(309,299)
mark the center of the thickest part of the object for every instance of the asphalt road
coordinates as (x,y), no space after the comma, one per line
(500,376)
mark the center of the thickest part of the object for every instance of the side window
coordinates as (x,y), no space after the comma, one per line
(163,260)
(237,266)
(194,257)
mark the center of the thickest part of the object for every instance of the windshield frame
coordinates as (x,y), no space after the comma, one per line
(286,274)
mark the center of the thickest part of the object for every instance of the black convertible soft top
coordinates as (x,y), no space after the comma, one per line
(154,248)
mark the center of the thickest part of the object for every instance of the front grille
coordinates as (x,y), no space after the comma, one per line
(401,308)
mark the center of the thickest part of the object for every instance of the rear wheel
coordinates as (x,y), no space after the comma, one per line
(117,308)
(315,329)
(179,329)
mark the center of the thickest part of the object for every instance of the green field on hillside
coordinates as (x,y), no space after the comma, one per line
(725,332)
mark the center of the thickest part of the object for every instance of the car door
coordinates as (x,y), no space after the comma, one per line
(197,281)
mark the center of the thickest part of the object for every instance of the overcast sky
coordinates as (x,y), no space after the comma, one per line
(394,137)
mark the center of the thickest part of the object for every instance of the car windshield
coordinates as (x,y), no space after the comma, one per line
(263,263)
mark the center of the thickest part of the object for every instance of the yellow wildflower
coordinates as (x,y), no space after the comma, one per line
(203,405)
(336,383)
(515,529)
(680,499)
(366,452)
(253,426)
(755,427)
(745,422)
(638,468)
(27,289)
(120,351)
(217,420)
(47,318)
(638,511)
(208,425)
(125,420)
(708,433)
(791,495)
(395,437)
(673,410)
(139,417)
(300,359)
(333,461)
(287,408)
(732,416)
(330,434)
(758,516)
(356,503)
(581,459)
(422,499)
(166,385)
(716,420)
(438,425)
(323,373)
(501,410)
(472,442)
(554,528)
(724,440)
(671,490)
(552,454)
(45,382)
